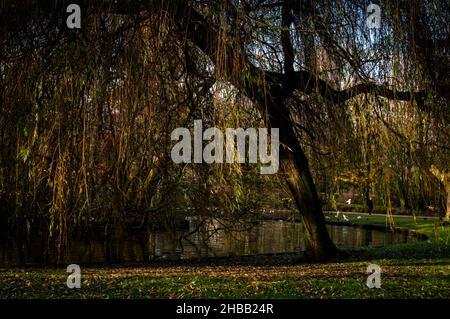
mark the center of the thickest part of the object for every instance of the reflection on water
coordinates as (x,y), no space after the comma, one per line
(213,240)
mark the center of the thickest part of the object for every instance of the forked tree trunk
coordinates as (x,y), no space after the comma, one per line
(270,97)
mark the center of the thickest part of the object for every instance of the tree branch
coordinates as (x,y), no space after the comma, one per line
(308,83)
(197,29)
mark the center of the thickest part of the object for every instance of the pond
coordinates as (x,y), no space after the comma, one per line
(213,240)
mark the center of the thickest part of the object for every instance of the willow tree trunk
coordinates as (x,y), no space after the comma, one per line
(444,178)
(295,167)
(300,182)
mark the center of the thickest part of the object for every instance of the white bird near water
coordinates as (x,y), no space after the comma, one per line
(345,217)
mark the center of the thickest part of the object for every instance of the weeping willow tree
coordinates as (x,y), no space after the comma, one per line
(87,113)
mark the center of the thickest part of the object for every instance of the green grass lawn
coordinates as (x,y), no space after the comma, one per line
(414,270)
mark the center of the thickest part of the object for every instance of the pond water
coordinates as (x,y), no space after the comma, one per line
(267,237)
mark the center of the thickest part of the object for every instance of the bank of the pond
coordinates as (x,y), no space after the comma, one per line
(431,228)
(415,270)
(433,232)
